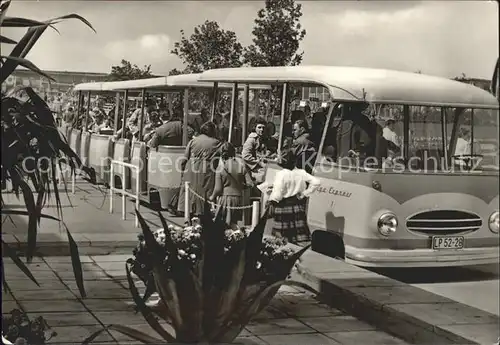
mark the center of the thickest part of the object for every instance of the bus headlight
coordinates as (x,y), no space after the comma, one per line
(387,224)
(493,222)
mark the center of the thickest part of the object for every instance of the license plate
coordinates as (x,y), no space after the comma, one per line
(448,242)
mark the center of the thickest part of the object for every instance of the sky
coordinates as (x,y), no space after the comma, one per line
(444,38)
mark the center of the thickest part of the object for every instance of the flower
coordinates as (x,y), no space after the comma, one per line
(189,249)
(160,236)
(18,327)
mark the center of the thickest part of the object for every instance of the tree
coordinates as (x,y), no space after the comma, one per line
(127,71)
(208,47)
(175,71)
(277,35)
(276,40)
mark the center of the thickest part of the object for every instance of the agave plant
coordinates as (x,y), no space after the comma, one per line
(32,146)
(211,280)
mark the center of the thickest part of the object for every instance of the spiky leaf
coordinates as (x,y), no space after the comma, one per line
(12,254)
(145,311)
(128,331)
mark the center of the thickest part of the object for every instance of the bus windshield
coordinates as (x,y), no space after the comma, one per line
(413,138)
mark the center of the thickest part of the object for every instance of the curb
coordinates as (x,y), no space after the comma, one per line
(367,296)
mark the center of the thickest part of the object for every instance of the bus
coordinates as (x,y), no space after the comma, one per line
(416,203)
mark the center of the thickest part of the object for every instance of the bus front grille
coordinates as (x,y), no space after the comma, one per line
(444,222)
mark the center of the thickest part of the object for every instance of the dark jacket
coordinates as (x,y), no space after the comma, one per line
(168,134)
(305,152)
(357,133)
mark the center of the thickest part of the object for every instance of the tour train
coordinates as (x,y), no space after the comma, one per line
(369,215)
(160,176)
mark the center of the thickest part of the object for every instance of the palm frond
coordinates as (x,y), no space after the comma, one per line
(28,64)
(7,40)
(15,22)
(4,6)
(27,42)
(15,258)
(128,331)
(29,132)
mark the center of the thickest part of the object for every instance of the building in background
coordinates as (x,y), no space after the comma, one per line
(64,81)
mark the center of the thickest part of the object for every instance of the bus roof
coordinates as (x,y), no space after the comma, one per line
(138,84)
(169,83)
(95,86)
(365,84)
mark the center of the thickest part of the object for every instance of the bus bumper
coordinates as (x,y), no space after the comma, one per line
(421,257)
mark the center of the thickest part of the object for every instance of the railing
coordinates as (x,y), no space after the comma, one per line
(123,191)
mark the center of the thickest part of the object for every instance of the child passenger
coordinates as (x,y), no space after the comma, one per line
(231,179)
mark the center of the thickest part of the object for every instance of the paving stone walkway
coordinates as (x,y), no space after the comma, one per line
(293,317)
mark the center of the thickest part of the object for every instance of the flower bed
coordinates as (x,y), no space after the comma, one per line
(211,280)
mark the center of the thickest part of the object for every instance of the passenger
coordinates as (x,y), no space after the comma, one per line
(303,148)
(463,148)
(198,168)
(133,121)
(318,122)
(150,128)
(57,109)
(255,150)
(118,133)
(98,122)
(288,127)
(69,116)
(91,117)
(108,125)
(356,133)
(270,140)
(389,134)
(218,120)
(288,200)
(200,120)
(307,111)
(224,127)
(231,179)
(169,133)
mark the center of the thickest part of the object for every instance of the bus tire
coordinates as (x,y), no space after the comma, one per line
(328,243)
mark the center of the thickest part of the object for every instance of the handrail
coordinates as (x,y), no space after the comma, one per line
(123,191)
